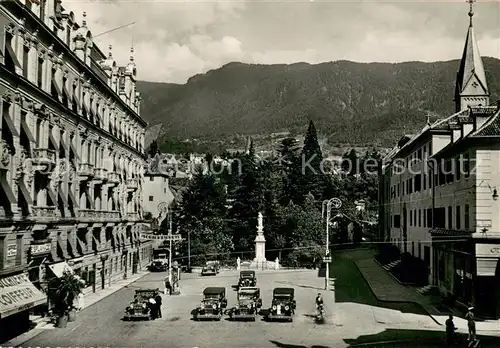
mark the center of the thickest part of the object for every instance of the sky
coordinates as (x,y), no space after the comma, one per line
(174,39)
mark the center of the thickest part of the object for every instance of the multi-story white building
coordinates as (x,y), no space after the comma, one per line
(157,196)
(72,154)
(439,192)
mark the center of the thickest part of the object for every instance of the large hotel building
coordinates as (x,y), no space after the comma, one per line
(444,207)
(71,157)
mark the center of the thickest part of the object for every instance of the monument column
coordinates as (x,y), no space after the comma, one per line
(260,243)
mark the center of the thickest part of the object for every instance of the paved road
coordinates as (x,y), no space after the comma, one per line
(101,325)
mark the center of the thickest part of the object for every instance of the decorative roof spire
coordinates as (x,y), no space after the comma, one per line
(84,21)
(471,12)
(110,54)
(132,53)
(428,119)
(471,84)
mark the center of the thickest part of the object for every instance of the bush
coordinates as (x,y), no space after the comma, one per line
(304,257)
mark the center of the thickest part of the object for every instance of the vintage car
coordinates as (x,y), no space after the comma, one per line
(283,305)
(249,303)
(247,279)
(212,305)
(209,270)
(216,264)
(158,266)
(140,308)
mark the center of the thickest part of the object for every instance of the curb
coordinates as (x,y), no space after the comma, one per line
(396,301)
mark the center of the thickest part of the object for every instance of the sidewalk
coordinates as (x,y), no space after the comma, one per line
(388,289)
(43,323)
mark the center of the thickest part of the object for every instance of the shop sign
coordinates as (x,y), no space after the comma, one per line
(37,249)
(11,250)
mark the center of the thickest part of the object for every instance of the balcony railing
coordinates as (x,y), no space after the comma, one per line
(44,212)
(133,216)
(132,184)
(100,173)
(44,156)
(98,215)
(114,177)
(86,170)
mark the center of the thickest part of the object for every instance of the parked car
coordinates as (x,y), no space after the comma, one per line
(140,308)
(283,305)
(215,264)
(158,266)
(212,305)
(209,270)
(248,305)
(247,279)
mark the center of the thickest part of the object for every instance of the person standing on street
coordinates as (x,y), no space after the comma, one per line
(471,324)
(168,286)
(450,331)
(158,300)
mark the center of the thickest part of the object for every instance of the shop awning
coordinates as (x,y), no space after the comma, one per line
(59,268)
(18,294)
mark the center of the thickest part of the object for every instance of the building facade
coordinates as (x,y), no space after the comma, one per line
(72,159)
(157,196)
(439,192)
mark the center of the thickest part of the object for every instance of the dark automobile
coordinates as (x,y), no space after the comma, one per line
(283,305)
(140,308)
(209,270)
(247,279)
(212,305)
(215,264)
(158,266)
(249,302)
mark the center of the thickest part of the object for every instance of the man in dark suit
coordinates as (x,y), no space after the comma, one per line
(158,300)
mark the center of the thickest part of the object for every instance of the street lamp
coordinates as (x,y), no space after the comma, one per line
(336,203)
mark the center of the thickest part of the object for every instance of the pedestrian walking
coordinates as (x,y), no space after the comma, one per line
(168,286)
(450,331)
(471,324)
(158,300)
(80,302)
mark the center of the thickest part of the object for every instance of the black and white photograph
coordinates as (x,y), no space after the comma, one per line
(250,173)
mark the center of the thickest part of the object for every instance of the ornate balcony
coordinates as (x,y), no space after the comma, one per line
(100,174)
(86,170)
(44,156)
(132,184)
(98,215)
(114,177)
(133,216)
(45,212)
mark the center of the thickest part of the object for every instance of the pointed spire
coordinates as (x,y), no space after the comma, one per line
(471,11)
(84,21)
(132,53)
(471,81)
(110,54)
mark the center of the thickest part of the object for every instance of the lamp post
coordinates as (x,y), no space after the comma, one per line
(337,203)
(323,204)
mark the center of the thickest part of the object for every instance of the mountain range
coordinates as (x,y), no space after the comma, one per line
(351,103)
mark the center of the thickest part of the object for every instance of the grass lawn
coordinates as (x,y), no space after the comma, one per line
(350,286)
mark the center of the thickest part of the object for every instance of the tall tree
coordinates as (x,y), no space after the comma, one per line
(202,213)
(247,203)
(289,166)
(313,175)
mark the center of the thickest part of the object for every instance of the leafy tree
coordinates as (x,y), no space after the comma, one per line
(247,203)
(202,213)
